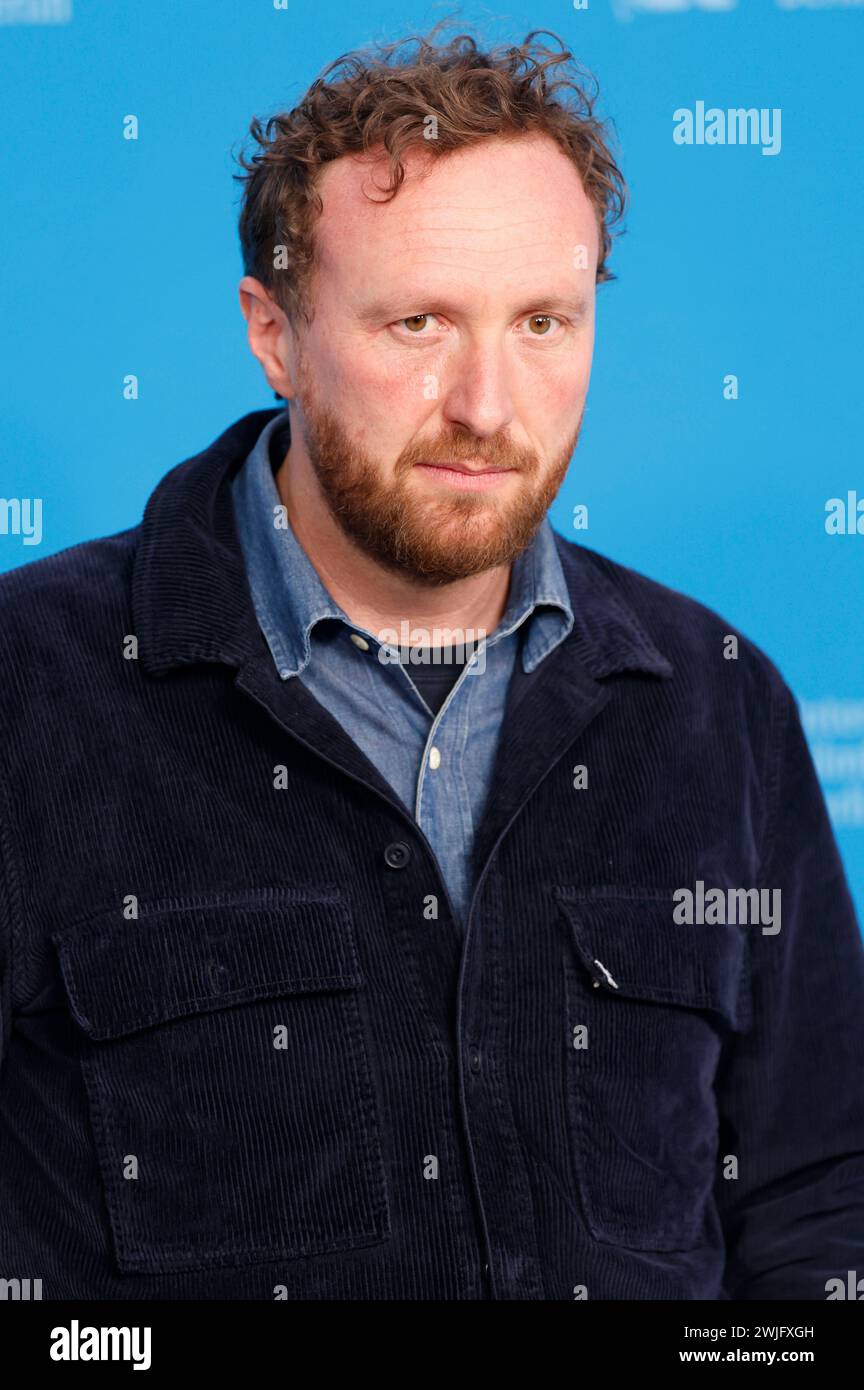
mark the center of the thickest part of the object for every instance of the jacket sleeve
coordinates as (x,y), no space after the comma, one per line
(5,940)
(790,1089)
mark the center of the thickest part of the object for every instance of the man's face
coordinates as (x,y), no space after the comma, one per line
(453,325)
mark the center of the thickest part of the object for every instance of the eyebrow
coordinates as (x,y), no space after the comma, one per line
(388,307)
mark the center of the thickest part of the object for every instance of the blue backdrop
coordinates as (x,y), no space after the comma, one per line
(121,257)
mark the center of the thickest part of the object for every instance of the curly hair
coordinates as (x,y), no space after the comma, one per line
(374,97)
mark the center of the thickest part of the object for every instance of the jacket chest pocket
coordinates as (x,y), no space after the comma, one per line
(226,1065)
(649,1004)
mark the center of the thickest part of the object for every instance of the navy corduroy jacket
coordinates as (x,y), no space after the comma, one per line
(248,1053)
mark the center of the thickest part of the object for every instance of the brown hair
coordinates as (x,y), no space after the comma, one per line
(371,97)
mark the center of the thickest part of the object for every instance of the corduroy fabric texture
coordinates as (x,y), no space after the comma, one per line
(245,1047)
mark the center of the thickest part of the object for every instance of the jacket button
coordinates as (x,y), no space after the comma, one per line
(397,855)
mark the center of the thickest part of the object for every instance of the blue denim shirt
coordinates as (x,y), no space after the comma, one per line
(439,765)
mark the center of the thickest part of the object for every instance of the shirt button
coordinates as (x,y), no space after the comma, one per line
(359,641)
(397,855)
(474,1059)
(434,758)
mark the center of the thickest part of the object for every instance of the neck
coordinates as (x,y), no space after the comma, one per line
(374,597)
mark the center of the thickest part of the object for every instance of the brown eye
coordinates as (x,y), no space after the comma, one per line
(544,320)
(416,321)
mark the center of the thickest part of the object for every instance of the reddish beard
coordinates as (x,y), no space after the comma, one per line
(433,539)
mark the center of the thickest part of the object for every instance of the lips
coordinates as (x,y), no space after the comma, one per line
(461,477)
(464,468)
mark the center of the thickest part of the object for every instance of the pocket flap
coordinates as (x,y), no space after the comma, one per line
(194,956)
(631,945)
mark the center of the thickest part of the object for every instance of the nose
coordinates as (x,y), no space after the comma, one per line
(478,395)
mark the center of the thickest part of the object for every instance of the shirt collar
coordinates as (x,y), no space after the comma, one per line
(290,597)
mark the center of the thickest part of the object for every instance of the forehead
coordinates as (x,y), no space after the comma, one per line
(498,208)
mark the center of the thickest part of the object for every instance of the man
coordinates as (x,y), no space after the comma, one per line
(333,969)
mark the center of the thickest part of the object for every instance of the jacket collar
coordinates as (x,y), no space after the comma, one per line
(191,598)
(607,634)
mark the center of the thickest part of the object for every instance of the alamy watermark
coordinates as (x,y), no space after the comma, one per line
(422,646)
(20,1290)
(835,732)
(735,126)
(737,906)
(35,11)
(22,516)
(77,1343)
